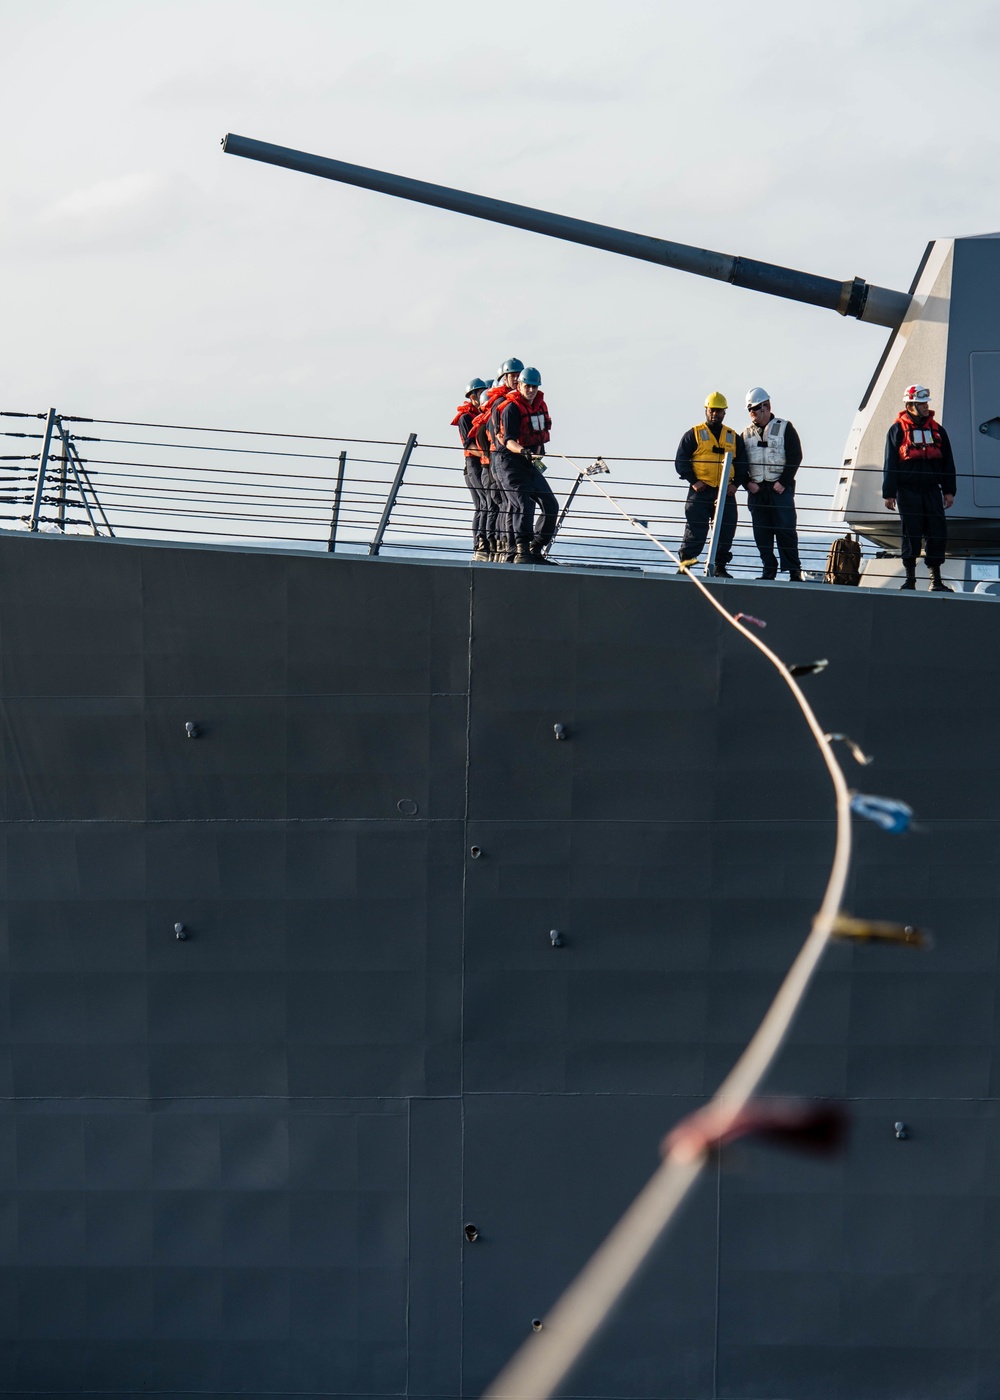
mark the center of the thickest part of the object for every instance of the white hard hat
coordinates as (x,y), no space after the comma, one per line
(756,396)
(916,393)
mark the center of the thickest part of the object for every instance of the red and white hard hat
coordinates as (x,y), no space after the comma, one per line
(916,393)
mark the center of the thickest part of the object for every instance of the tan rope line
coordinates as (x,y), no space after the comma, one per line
(539,1367)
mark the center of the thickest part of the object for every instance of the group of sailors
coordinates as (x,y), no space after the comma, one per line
(505,425)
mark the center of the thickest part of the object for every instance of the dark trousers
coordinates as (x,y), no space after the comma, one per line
(504,534)
(473,480)
(524,486)
(699,510)
(494,503)
(921,514)
(548,508)
(773,520)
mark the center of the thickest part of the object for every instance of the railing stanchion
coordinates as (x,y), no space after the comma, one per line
(565,510)
(376,543)
(720,507)
(84,483)
(63,486)
(43,462)
(338,492)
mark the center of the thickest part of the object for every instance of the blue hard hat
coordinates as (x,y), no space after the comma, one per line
(473,385)
(530,376)
(512,367)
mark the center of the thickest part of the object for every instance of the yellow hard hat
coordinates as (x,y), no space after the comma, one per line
(716,400)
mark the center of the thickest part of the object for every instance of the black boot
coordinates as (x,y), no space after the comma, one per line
(523,555)
(721,571)
(481,551)
(794,576)
(937,586)
(910,583)
(538,555)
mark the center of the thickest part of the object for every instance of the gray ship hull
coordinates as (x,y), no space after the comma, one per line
(242,1161)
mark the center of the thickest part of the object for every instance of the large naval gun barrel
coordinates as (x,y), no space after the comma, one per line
(858,298)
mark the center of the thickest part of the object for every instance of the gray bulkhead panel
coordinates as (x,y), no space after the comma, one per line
(984,386)
(242,1162)
(948,341)
(972,387)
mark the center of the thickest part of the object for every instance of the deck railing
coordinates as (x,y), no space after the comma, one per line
(176,482)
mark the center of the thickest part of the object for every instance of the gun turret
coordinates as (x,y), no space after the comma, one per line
(856,297)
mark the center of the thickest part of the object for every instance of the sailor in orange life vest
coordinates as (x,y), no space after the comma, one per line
(463,420)
(495,500)
(504,384)
(523,425)
(919,477)
(698,460)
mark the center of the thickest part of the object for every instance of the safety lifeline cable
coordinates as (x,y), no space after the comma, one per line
(541,1364)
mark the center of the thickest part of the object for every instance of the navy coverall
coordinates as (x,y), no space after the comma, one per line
(699,508)
(773,516)
(525,487)
(918,488)
(473,473)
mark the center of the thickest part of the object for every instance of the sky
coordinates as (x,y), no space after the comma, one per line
(149,276)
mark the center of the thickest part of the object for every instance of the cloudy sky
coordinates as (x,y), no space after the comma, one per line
(147,275)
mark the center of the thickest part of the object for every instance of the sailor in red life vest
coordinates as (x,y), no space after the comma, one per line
(919,477)
(480,435)
(540,408)
(465,415)
(523,426)
(505,383)
(497,514)
(497,523)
